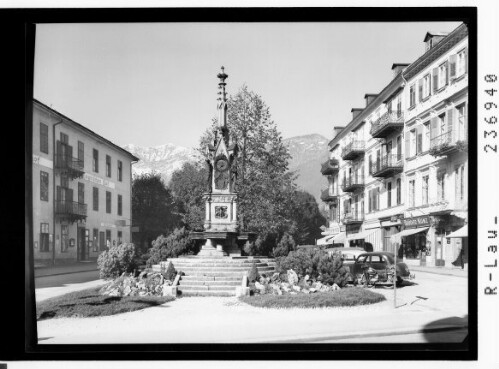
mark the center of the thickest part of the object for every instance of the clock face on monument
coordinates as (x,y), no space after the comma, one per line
(221,165)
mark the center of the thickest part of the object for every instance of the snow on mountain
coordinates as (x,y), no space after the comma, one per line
(307,152)
(163,159)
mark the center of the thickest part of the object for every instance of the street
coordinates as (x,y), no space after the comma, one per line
(225,319)
(63,279)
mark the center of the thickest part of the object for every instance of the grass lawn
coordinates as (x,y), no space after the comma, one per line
(343,297)
(87,303)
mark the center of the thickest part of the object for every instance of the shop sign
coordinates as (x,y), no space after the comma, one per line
(422,221)
(107,225)
(42,161)
(94,179)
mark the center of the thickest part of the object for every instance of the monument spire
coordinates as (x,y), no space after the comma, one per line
(222,106)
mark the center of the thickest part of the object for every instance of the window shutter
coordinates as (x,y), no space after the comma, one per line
(452,66)
(420,89)
(58,193)
(451,122)
(69,195)
(370,206)
(456,177)
(433,128)
(466,122)
(446,72)
(407,146)
(370,163)
(69,152)
(435,79)
(466,60)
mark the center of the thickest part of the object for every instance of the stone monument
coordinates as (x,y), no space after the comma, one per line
(222,234)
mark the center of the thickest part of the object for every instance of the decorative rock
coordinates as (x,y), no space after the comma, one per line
(292,277)
(306,278)
(297,288)
(312,290)
(336,287)
(260,287)
(285,288)
(127,291)
(275,277)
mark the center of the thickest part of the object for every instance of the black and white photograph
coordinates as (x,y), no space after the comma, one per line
(255,182)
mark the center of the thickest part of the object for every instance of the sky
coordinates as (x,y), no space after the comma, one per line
(150,84)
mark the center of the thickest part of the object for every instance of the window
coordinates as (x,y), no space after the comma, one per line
(95,162)
(399,148)
(425,189)
(44,186)
(64,181)
(81,193)
(389,194)
(108,202)
(399,105)
(95,239)
(120,170)
(370,164)
(44,237)
(64,238)
(442,75)
(64,138)
(95,198)
(413,143)
(412,96)
(462,182)
(399,191)
(44,138)
(441,124)
(426,86)
(459,174)
(108,166)
(441,186)
(461,63)
(461,122)
(426,136)
(108,238)
(120,205)
(120,237)
(412,192)
(419,140)
(81,152)
(102,241)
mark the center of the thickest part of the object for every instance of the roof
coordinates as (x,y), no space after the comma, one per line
(90,132)
(394,65)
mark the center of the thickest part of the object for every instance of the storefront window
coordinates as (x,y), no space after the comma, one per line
(415,245)
(64,238)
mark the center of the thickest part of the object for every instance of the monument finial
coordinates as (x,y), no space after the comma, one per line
(223,98)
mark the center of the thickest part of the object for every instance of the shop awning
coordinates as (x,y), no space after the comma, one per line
(324,240)
(360,235)
(397,237)
(339,238)
(461,232)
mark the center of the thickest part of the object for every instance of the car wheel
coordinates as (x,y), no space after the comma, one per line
(399,281)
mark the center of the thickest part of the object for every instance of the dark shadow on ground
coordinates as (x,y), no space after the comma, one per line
(447,327)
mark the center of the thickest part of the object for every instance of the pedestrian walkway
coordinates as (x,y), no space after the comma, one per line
(454,271)
(76,267)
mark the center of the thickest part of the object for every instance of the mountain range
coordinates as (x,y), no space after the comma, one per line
(307,154)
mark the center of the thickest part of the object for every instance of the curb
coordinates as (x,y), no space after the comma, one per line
(435,272)
(363,334)
(62,273)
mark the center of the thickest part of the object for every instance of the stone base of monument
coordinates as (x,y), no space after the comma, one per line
(217,276)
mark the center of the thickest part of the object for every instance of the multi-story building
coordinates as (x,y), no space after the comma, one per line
(397,172)
(81,189)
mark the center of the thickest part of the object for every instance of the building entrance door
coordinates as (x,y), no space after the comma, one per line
(81,245)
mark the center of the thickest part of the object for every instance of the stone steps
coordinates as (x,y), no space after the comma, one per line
(189,270)
(215,265)
(222,278)
(206,288)
(188,293)
(200,282)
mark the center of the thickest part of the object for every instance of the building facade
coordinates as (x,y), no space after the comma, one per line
(397,172)
(81,190)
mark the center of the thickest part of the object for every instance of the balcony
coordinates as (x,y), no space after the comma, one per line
(70,166)
(353,150)
(387,124)
(353,218)
(445,144)
(387,166)
(329,167)
(71,210)
(327,197)
(352,184)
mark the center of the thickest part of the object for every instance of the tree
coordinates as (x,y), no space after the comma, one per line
(308,219)
(153,209)
(175,244)
(188,185)
(264,185)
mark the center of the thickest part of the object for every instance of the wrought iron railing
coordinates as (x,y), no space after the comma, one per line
(66,162)
(70,208)
(385,119)
(330,166)
(353,216)
(353,181)
(391,161)
(353,146)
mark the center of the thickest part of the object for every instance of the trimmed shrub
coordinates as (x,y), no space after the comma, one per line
(285,245)
(117,260)
(175,244)
(170,272)
(302,261)
(332,269)
(253,274)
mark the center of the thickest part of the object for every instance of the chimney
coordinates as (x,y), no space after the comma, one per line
(369,98)
(355,112)
(398,67)
(433,38)
(337,130)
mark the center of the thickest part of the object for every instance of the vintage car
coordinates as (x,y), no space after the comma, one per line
(349,255)
(380,261)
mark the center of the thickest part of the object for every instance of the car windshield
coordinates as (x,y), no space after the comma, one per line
(389,258)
